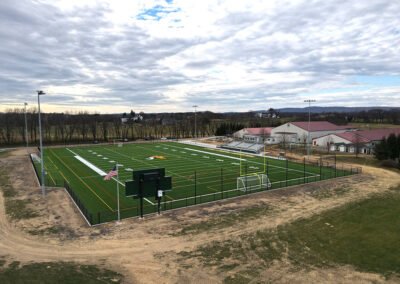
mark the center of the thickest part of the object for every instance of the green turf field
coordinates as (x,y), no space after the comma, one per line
(199,175)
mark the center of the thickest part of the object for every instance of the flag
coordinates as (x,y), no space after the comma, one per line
(112,173)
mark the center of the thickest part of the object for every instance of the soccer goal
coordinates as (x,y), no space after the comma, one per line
(118,142)
(253,182)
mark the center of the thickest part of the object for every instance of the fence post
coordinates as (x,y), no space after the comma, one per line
(222,183)
(287,166)
(320,168)
(304,170)
(195,187)
(245,179)
(335,164)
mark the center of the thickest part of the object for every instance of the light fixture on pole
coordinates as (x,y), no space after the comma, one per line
(308,128)
(195,121)
(41,93)
(26,126)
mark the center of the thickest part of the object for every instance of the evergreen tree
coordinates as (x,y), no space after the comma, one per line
(381,150)
(392,147)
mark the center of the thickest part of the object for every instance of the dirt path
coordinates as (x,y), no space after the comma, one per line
(133,246)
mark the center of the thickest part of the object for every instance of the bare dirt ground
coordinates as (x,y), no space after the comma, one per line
(133,247)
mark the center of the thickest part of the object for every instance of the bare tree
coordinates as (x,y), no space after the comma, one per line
(328,141)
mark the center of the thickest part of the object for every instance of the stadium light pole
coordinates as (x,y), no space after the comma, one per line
(41,93)
(195,121)
(119,212)
(26,126)
(308,128)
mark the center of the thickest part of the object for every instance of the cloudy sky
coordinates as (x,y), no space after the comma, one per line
(233,55)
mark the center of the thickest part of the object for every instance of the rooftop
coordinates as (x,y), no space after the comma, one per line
(319,126)
(366,136)
(258,130)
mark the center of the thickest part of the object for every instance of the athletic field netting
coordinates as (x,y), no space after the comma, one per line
(199,175)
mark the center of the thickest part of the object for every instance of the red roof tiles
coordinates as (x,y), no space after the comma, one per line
(259,131)
(320,126)
(366,136)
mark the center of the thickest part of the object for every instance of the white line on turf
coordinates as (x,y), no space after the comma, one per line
(99,171)
(88,164)
(214,154)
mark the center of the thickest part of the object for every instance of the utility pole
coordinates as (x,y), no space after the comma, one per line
(26,127)
(41,93)
(119,212)
(308,128)
(195,121)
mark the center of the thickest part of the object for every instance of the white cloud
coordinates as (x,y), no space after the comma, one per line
(224,55)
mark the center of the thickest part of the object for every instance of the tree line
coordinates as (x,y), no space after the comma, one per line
(389,149)
(84,127)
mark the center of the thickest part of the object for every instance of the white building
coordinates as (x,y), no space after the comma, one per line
(253,135)
(297,132)
(364,141)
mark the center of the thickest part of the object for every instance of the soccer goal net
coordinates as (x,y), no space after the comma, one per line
(118,142)
(253,182)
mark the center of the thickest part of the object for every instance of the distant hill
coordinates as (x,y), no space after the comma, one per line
(317,109)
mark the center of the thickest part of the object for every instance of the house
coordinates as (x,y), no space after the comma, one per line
(297,132)
(253,135)
(363,141)
(136,118)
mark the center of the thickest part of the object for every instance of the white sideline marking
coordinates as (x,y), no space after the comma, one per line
(215,154)
(254,168)
(120,165)
(235,164)
(99,155)
(148,201)
(88,164)
(112,161)
(128,170)
(99,171)
(219,160)
(105,158)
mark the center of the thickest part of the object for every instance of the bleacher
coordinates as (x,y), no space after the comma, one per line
(243,146)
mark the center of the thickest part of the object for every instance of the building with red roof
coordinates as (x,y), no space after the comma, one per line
(253,135)
(298,131)
(364,140)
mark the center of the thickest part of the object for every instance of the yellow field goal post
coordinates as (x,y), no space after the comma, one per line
(248,167)
(253,175)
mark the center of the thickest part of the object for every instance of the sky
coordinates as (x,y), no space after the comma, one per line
(167,55)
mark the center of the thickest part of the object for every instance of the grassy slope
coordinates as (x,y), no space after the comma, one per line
(62,272)
(363,234)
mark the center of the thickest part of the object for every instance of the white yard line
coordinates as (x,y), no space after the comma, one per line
(93,167)
(215,154)
(90,165)
(148,201)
